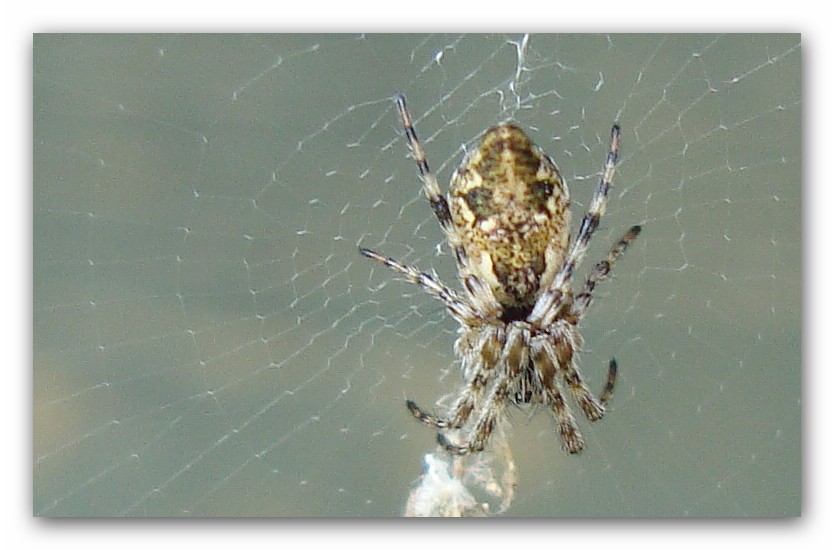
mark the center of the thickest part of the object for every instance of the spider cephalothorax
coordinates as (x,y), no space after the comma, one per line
(507,220)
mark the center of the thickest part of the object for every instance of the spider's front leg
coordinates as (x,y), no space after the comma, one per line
(427,417)
(479,351)
(476,441)
(513,357)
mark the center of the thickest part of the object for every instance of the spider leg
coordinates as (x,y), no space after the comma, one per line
(431,188)
(610,382)
(478,291)
(549,303)
(480,358)
(568,429)
(460,309)
(561,354)
(601,272)
(565,422)
(513,356)
(427,417)
(460,412)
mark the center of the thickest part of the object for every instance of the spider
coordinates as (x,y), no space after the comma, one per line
(507,221)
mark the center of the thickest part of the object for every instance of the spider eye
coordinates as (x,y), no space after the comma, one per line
(479,201)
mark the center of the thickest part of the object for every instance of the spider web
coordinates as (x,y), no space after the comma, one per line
(208,341)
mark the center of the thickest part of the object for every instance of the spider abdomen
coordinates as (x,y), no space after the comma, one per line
(511,208)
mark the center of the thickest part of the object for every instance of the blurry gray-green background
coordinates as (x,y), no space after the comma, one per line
(207,340)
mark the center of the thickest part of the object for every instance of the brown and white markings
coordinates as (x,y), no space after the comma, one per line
(507,220)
